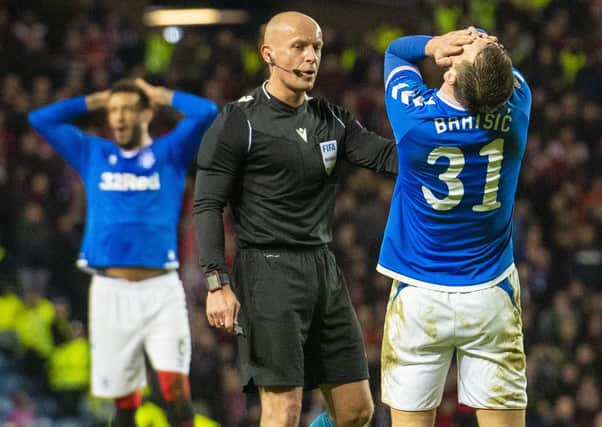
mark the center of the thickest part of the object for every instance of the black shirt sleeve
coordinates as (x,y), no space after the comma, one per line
(219,161)
(367,149)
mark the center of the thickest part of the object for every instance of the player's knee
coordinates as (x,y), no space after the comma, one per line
(355,417)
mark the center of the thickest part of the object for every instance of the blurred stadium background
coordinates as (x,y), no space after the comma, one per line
(52,49)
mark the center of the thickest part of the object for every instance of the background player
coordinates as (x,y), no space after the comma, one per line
(275,156)
(448,242)
(134,187)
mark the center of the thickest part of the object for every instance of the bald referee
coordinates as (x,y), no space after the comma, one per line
(275,155)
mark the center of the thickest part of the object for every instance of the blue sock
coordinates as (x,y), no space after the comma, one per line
(322,420)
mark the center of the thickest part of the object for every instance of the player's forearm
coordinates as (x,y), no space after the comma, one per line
(193,106)
(57,113)
(163,96)
(97,100)
(410,48)
(158,95)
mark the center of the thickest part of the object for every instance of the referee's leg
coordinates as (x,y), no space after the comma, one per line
(350,404)
(280,406)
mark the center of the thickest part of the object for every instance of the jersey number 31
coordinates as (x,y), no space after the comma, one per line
(494,151)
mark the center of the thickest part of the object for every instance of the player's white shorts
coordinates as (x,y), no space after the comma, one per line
(130,318)
(424,327)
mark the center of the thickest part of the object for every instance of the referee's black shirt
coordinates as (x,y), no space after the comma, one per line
(277,166)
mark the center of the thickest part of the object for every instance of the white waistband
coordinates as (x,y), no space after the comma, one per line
(445,288)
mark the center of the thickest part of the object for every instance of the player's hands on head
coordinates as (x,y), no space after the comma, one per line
(443,47)
(158,95)
(483,35)
(97,100)
(222,308)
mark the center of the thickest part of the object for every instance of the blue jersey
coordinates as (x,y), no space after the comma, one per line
(133,197)
(450,221)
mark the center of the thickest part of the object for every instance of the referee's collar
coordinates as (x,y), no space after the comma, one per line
(278,104)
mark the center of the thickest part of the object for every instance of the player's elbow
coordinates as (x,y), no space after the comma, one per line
(212,110)
(35,120)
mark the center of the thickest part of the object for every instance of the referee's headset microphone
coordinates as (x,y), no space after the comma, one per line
(297,72)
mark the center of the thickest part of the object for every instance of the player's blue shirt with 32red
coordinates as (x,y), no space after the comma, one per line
(133,197)
(450,220)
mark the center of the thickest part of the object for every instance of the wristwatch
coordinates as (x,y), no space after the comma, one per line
(217,280)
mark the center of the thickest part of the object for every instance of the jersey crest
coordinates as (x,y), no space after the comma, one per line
(147,159)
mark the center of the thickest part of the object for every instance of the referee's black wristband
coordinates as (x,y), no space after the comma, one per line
(217,280)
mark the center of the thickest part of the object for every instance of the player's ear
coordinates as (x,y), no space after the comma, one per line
(450,76)
(147,114)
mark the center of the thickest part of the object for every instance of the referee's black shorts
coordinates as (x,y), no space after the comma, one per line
(300,327)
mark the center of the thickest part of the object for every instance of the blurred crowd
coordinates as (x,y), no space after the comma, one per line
(557,221)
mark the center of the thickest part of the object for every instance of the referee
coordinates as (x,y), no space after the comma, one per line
(275,155)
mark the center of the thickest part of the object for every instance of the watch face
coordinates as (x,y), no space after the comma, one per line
(213,281)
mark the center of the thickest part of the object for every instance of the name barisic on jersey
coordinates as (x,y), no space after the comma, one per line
(115,181)
(489,121)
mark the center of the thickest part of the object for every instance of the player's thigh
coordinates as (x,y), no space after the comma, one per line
(116,338)
(418,345)
(277,294)
(491,358)
(167,326)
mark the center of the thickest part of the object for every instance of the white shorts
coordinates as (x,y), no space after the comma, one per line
(128,319)
(424,327)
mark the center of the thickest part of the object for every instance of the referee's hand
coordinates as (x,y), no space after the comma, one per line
(222,309)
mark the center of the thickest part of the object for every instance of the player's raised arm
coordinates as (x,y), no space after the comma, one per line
(407,52)
(53,122)
(198,115)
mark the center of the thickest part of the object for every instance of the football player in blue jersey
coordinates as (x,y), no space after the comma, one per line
(134,186)
(447,245)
